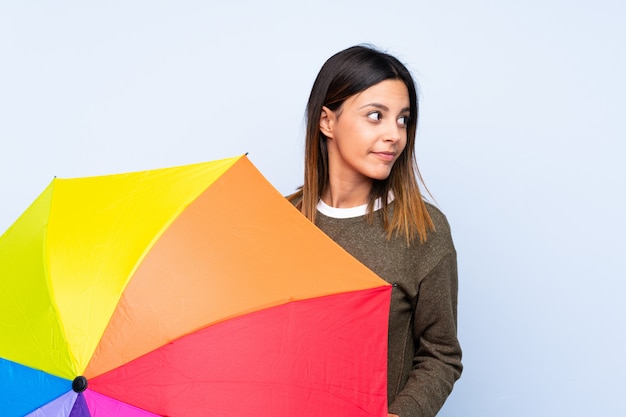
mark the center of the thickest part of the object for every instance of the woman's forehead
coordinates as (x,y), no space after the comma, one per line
(387,92)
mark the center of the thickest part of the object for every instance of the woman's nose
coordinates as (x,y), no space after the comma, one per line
(393,133)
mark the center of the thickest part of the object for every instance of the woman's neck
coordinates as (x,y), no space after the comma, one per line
(346,195)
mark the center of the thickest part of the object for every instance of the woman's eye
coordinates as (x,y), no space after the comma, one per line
(403,120)
(375,115)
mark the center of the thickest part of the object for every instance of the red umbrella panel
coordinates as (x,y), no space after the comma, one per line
(185,291)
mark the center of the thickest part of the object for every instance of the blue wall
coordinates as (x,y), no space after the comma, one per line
(521,142)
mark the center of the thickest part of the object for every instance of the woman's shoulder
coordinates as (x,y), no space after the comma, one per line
(441,236)
(438,217)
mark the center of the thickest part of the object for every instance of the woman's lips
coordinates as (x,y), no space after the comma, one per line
(385,156)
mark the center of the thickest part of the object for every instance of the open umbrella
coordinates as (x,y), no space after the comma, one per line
(185,291)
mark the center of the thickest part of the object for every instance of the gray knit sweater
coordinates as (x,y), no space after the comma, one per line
(424,353)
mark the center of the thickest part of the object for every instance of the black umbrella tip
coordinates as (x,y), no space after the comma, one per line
(79,384)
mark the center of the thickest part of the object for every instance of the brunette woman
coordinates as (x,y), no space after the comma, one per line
(361,188)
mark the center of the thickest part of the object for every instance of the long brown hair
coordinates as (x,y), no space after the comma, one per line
(344,74)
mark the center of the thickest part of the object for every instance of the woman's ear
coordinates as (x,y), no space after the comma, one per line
(327,122)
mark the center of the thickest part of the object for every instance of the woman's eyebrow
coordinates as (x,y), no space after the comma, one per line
(383,107)
(376,105)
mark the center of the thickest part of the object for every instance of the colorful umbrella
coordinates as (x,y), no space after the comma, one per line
(186,291)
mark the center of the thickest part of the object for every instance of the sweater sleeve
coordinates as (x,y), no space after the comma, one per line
(437,362)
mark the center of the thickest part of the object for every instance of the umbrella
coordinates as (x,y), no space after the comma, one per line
(185,291)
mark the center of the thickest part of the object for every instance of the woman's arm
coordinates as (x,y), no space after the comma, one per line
(437,361)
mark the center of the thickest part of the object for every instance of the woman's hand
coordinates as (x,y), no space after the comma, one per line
(392,415)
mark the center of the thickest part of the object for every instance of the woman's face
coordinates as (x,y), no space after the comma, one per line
(367,133)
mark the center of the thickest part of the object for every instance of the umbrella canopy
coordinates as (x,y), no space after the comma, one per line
(184,291)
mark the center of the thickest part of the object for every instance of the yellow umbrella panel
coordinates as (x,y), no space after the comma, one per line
(68,258)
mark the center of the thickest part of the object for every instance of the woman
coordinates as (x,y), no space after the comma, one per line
(361,189)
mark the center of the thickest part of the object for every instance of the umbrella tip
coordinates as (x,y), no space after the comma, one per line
(79,384)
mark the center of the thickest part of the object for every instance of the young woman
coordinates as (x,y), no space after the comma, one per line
(361,189)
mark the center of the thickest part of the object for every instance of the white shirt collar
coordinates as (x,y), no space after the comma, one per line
(346,213)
